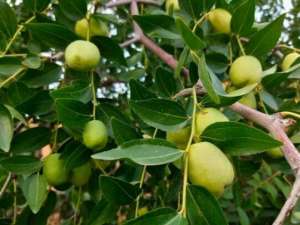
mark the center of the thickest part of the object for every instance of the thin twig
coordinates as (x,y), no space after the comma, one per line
(125,2)
(5,185)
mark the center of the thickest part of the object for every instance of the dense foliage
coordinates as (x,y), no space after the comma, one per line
(96,130)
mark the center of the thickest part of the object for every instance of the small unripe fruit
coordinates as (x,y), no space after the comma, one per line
(81,175)
(289,60)
(82,55)
(209,167)
(172,4)
(95,27)
(54,170)
(220,19)
(249,100)
(245,70)
(179,137)
(206,117)
(95,135)
(275,153)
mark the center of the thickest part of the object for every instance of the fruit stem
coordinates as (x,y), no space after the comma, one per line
(76,210)
(16,34)
(186,161)
(200,21)
(240,44)
(12,77)
(142,179)
(14,220)
(94,95)
(288,47)
(286,113)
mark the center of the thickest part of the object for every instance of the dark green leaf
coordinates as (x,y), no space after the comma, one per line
(160,113)
(158,25)
(195,7)
(104,212)
(75,9)
(118,191)
(243,17)
(35,191)
(144,152)
(165,82)
(21,164)
(203,208)
(265,39)
(139,92)
(52,35)
(77,90)
(191,39)
(74,154)
(37,78)
(7,128)
(8,20)
(31,140)
(110,49)
(239,139)
(32,62)
(9,66)
(36,5)
(73,114)
(122,131)
(160,216)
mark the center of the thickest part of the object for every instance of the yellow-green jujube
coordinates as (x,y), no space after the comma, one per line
(179,137)
(249,100)
(220,19)
(95,135)
(275,153)
(245,70)
(172,4)
(206,117)
(82,55)
(94,26)
(54,170)
(81,175)
(209,167)
(289,60)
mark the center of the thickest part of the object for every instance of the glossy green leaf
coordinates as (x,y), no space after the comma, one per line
(32,62)
(37,78)
(214,86)
(139,92)
(203,208)
(75,9)
(7,128)
(9,66)
(160,216)
(77,90)
(110,49)
(52,35)
(165,83)
(74,154)
(21,164)
(158,25)
(31,140)
(264,40)
(8,20)
(143,151)
(73,115)
(160,113)
(238,138)
(118,191)
(123,132)
(243,17)
(103,213)
(194,7)
(35,5)
(190,38)
(35,191)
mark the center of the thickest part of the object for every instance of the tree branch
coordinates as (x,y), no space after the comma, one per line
(274,124)
(112,3)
